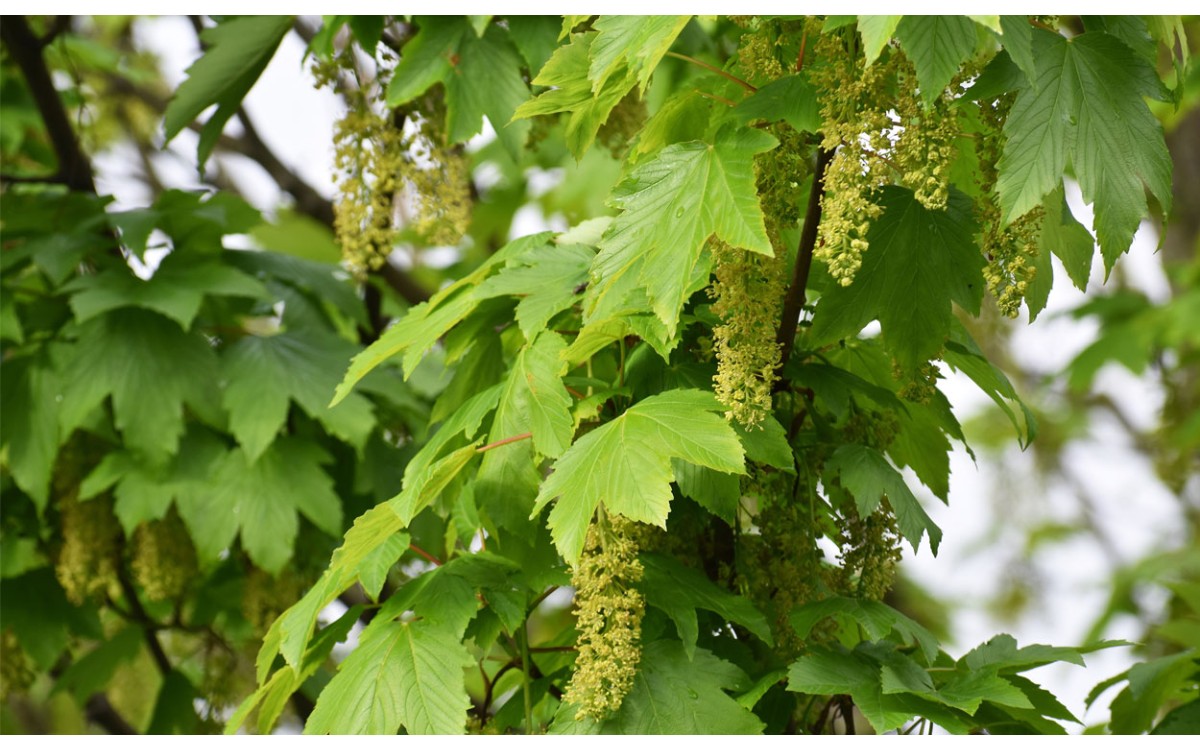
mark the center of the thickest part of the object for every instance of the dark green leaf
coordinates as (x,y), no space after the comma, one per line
(869,477)
(791,99)
(918,264)
(937,45)
(679,591)
(238,51)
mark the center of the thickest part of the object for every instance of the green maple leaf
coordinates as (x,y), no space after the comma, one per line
(636,43)
(1086,106)
(144,490)
(570,91)
(679,591)
(869,478)
(673,694)
(238,51)
(876,32)
(671,205)
(937,45)
(918,263)
(151,368)
(626,464)
(266,373)
(534,400)
(402,674)
(416,333)
(271,697)
(176,289)
(261,498)
(545,281)
(481,73)
(31,387)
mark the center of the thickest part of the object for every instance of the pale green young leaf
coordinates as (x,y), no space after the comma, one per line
(671,205)
(876,31)
(267,373)
(570,91)
(151,368)
(937,45)
(638,42)
(271,698)
(289,634)
(425,486)
(870,478)
(626,464)
(545,282)
(402,674)
(918,264)
(414,334)
(239,49)
(679,591)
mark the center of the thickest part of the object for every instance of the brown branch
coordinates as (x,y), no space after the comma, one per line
(149,626)
(100,711)
(793,303)
(74,169)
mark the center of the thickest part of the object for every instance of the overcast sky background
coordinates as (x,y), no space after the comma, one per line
(1133,508)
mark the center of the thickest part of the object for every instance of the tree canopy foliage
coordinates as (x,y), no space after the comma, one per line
(650,470)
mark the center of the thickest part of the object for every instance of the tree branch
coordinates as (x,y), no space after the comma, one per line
(793,303)
(100,711)
(74,169)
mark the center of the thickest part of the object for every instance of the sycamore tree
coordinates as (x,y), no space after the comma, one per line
(652,473)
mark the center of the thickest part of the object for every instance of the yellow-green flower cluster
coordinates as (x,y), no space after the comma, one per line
(265,597)
(608,611)
(854,103)
(748,293)
(1011,251)
(163,559)
(623,123)
(870,551)
(393,168)
(16,673)
(90,555)
(925,150)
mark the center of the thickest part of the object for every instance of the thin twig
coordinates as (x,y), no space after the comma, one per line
(505,441)
(724,74)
